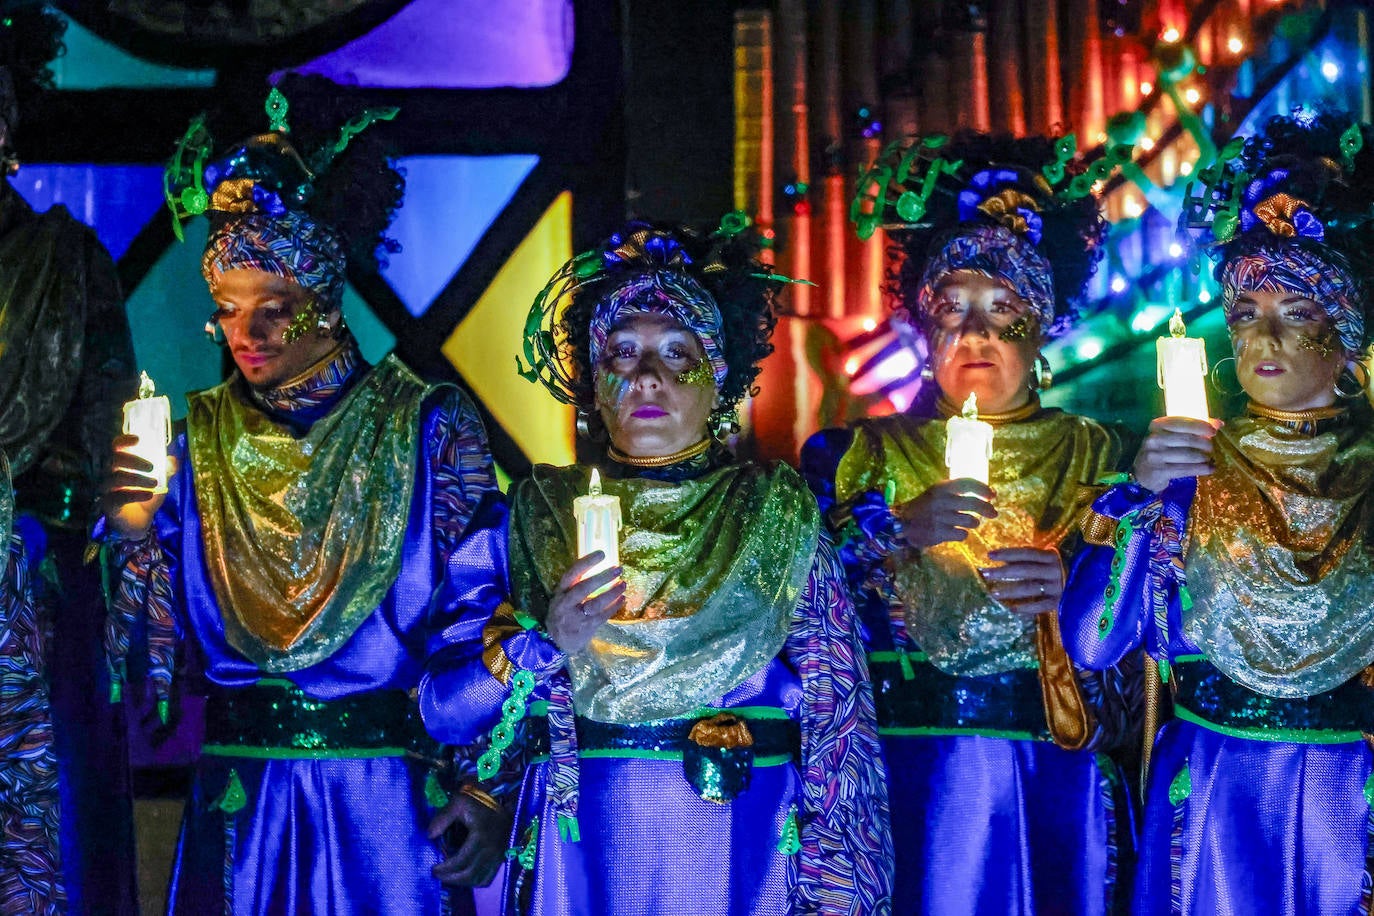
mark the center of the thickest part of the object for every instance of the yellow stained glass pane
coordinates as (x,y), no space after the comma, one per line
(484,344)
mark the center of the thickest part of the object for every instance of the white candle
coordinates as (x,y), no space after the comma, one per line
(598,524)
(150,419)
(968,443)
(1182,368)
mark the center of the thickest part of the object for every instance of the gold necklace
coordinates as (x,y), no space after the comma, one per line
(657,461)
(948,409)
(1311,415)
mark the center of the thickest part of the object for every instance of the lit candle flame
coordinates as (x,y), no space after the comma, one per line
(146,388)
(970,410)
(1176,326)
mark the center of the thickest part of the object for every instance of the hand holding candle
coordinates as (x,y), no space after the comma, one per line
(1182,368)
(590,592)
(150,419)
(968,444)
(598,524)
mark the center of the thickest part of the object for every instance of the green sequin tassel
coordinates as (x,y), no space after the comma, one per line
(435,796)
(233,799)
(524,854)
(1181,787)
(568,831)
(790,842)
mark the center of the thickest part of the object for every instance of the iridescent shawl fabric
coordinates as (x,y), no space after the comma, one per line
(1041,470)
(303,531)
(714,567)
(1278,557)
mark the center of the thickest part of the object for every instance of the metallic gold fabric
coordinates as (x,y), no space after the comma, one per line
(1042,468)
(714,567)
(1278,558)
(303,532)
(1066,710)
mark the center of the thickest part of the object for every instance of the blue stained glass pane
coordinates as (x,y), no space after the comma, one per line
(93,63)
(374,339)
(450,202)
(459,44)
(115,200)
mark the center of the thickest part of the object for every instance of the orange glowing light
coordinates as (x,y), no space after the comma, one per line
(869,324)
(1146,87)
(851,366)
(1235,45)
(1147,144)
(1170,35)
(1192,96)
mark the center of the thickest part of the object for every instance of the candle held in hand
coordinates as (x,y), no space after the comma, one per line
(968,443)
(150,419)
(598,524)
(1182,369)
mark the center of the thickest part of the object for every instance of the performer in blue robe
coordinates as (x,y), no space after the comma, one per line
(701,734)
(1000,801)
(316,506)
(1240,557)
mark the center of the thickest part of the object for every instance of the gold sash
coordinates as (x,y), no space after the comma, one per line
(303,532)
(714,568)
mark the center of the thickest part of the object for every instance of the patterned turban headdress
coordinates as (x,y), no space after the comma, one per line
(1267,238)
(642,269)
(257,196)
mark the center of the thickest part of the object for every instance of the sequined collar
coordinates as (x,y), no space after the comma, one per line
(948,408)
(1304,422)
(318,386)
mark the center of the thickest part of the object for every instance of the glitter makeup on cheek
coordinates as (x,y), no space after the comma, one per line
(1018,330)
(1321,344)
(611,389)
(700,375)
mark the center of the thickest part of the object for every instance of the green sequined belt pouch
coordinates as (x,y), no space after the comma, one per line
(718,749)
(276,719)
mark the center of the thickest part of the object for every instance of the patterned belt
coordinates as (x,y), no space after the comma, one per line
(916,698)
(776,739)
(276,719)
(1207,697)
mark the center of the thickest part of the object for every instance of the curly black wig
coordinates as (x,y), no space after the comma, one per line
(360,192)
(1072,236)
(727,266)
(30,39)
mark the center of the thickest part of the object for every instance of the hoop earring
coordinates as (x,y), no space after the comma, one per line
(584,425)
(214,332)
(1350,373)
(724,424)
(1216,386)
(1043,375)
(927,373)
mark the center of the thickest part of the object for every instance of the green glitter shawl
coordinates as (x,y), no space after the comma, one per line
(303,532)
(714,567)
